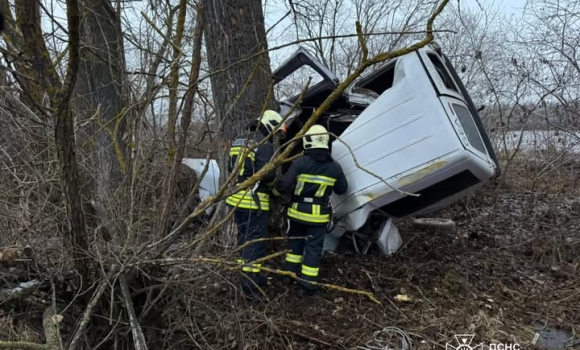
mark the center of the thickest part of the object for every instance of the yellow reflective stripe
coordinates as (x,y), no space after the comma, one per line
(310,271)
(244,200)
(317,179)
(255,268)
(250,267)
(236,151)
(316,210)
(299,187)
(294,258)
(319,219)
(323,181)
(321,190)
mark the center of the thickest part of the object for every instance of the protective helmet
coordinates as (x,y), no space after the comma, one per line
(316,137)
(271,120)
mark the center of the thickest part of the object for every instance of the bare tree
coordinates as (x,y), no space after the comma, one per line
(235,33)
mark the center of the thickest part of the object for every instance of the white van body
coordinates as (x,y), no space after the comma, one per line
(412,139)
(411,127)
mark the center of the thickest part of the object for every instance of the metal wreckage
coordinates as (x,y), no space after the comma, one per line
(416,143)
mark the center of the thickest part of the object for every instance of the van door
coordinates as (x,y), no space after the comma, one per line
(440,76)
(454,103)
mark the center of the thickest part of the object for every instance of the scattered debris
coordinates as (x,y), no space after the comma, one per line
(402,297)
(435,224)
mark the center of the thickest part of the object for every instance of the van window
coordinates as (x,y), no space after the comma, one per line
(379,80)
(469,127)
(443,74)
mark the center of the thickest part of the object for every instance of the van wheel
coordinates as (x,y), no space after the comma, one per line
(435,224)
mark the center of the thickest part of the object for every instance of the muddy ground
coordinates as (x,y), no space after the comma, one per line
(509,273)
(512,269)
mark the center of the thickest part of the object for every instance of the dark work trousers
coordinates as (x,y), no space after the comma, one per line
(251,226)
(304,258)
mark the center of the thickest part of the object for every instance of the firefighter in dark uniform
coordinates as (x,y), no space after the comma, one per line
(310,181)
(252,206)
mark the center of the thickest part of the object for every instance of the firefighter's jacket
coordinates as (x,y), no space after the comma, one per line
(310,181)
(253,198)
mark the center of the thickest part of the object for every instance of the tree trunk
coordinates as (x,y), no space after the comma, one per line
(100,87)
(242,78)
(235,32)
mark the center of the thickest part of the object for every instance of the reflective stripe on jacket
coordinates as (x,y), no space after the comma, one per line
(245,200)
(251,161)
(311,180)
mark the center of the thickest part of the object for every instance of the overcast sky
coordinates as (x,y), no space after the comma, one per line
(274,11)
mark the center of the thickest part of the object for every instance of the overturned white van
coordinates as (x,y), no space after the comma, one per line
(410,122)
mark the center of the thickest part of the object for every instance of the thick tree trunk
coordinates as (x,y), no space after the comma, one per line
(242,79)
(101,87)
(235,32)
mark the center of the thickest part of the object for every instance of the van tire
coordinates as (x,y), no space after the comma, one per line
(435,224)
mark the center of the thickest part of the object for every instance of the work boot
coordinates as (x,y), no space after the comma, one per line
(287,280)
(304,292)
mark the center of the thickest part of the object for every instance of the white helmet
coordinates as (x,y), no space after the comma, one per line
(271,120)
(316,137)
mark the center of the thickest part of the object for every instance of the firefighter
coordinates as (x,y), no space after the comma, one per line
(310,181)
(252,205)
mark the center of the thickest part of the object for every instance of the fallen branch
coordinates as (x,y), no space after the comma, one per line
(88,312)
(138,337)
(22,345)
(50,321)
(325,285)
(234,265)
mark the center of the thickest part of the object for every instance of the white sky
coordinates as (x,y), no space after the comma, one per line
(274,10)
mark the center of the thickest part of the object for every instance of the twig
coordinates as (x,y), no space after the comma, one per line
(316,340)
(89,311)
(249,243)
(325,285)
(138,337)
(22,345)
(331,37)
(175,46)
(357,164)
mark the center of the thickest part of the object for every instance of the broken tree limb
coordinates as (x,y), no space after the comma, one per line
(138,337)
(22,345)
(50,321)
(234,265)
(325,285)
(88,312)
